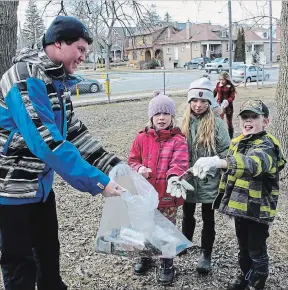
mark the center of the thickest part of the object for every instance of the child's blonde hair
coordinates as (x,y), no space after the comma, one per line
(205,137)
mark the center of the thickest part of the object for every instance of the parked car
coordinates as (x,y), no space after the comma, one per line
(218,65)
(198,62)
(238,73)
(86,85)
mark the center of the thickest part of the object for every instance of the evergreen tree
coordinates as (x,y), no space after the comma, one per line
(34,25)
(239,55)
(151,18)
(167,18)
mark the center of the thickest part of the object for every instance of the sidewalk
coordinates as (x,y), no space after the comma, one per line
(82,101)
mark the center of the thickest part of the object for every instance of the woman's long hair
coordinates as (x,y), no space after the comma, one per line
(205,137)
(225,75)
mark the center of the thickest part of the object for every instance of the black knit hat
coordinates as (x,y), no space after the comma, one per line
(65,28)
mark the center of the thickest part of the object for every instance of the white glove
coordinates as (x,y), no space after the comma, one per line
(205,164)
(178,187)
(144,171)
(112,189)
(224,104)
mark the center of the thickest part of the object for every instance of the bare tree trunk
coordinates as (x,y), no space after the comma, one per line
(8,33)
(280,122)
(108,50)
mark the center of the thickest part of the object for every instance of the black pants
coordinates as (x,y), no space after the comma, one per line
(189,223)
(253,257)
(30,246)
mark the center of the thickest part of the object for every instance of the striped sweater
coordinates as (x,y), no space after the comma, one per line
(40,134)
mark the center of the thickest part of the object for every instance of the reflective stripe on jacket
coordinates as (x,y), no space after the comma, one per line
(250,186)
(166,153)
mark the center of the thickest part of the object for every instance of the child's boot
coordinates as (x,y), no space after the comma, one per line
(257,280)
(166,272)
(204,263)
(142,266)
(239,283)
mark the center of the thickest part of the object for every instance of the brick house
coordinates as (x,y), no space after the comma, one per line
(196,40)
(174,47)
(146,45)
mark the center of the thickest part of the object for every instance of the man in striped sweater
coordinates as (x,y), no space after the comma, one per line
(40,134)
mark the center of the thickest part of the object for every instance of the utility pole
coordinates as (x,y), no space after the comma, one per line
(270,34)
(230,37)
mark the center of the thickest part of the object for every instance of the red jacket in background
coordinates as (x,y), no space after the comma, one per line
(226,92)
(165,152)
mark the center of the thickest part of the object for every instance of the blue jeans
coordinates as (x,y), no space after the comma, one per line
(30,247)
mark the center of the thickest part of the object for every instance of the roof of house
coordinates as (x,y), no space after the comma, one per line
(124,31)
(200,32)
(152,30)
(253,36)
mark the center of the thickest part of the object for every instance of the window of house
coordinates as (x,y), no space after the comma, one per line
(187,46)
(143,39)
(233,47)
(265,35)
(223,33)
(196,47)
(168,50)
(134,55)
(183,48)
(212,48)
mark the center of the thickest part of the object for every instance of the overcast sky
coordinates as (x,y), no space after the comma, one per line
(196,11)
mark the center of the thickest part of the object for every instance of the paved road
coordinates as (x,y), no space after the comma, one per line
(138,82)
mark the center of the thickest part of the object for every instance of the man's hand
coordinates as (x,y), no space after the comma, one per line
(178,187)
(144,171)
(112,189)
(205,164)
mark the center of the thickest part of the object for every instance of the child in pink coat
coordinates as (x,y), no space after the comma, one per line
(160,154)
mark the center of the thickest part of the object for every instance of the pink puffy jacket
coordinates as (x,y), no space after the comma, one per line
(165,152)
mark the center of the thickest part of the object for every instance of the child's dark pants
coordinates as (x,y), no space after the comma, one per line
(189,223)
(30,246)
(253,257)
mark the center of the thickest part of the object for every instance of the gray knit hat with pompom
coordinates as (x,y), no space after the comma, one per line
(161,104)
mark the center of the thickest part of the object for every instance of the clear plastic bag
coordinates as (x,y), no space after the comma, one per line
(131,225)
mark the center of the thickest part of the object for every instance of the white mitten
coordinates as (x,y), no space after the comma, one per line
(224,104)
(178,187)
(144,171)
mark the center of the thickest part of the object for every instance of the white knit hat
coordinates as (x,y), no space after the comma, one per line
(201,89)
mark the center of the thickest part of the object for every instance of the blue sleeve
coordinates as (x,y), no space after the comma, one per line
(32,112)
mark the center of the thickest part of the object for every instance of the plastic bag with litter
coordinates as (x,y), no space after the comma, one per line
(131,226)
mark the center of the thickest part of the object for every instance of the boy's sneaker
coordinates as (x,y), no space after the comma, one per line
(142,266)
(239,283)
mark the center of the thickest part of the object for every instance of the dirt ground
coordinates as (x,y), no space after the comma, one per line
(116,125)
